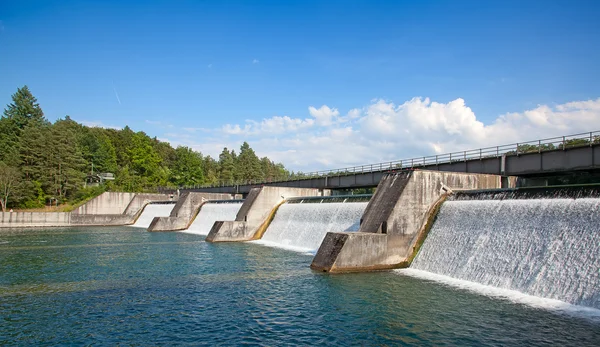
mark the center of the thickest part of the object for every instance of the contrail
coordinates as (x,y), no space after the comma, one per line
(116,94)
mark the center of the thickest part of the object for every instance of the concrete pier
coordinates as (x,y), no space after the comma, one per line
(185,211)
(256,213)
(395,218)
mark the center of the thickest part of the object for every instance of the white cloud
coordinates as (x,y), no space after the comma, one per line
(255,61)
(324,115)
(383,131)
(274,125)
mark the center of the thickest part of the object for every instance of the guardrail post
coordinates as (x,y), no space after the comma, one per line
(539,146)
(517,149)
(423,161)
(480,155)
(412,163)
(564,143)
(591,139)
(450,158)
(436,159)
(465,155)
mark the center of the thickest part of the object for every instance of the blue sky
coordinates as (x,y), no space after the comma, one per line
(209,74)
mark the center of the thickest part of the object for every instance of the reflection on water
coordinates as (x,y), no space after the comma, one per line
(122,285)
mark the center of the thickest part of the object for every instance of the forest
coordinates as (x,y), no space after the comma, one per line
(44,163)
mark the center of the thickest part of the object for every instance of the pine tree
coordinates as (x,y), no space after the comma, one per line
(226,166)
(65,161)
(248,164)
(24,110)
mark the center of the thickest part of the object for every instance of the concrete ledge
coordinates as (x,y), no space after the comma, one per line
(229,231)
(102,219)
(354,252)
(168,224)
(106,203)
(141,200)
(34,219)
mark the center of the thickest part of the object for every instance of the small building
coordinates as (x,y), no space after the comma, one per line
(94,180)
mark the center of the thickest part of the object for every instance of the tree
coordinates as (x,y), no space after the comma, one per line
(9,179)
(248,164)
(24,110)
(65,161)
(9,142)
(187,169)
(226,166)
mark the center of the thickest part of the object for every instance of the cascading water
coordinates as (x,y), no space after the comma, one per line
(210,213)
(303,226)
(549,248)
(151,211)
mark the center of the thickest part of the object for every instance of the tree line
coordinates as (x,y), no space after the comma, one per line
(43,162)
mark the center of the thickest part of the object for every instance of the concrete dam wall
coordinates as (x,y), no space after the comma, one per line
(256,213)
(393,220)
(185,211)
(545,247)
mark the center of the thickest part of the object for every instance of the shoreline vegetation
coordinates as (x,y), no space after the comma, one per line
(48,166)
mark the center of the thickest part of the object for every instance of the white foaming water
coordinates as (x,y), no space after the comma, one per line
(547,248)
(302,227)
(506,294)
(151,211)
(210,213)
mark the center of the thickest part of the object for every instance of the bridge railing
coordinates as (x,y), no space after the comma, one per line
(537,146)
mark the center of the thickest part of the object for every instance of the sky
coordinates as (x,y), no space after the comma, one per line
(312,84)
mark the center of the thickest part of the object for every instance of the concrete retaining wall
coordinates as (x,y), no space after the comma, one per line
(185,211)
(109,208)
(396,215)
(255,213)
(140,200)
(102,219)
(106,203)
(29,219)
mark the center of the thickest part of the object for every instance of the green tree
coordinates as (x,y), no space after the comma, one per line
(144,159)
(9,142)
(226,166)
(248,164)
(9,180)
(24,110)
(211,170)
(187,169)
(65,161)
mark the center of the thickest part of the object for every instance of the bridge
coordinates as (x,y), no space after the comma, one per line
(558,155)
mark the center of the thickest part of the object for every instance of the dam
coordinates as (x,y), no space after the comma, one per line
(547,248)
(302,226)
(212,212)
(439,233)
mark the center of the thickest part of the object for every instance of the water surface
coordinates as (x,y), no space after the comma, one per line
(107,286)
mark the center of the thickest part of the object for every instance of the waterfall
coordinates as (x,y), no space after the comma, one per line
(151,211)
(210,213)
(548,248)
(302,227)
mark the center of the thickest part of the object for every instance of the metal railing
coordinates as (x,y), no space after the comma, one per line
(537,146)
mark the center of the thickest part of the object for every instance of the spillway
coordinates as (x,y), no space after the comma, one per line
(303,226)
(210,213)
(548,248)
(151,211)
